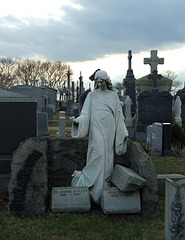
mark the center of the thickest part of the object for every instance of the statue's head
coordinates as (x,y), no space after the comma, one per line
(102,80)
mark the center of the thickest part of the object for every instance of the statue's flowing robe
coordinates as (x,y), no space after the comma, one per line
(102,120)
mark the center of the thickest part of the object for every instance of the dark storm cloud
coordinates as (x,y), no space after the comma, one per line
(100,27)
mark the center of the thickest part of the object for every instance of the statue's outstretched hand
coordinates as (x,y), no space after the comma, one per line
(74,120)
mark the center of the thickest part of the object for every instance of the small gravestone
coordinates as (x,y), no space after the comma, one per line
(114,201)
(157,136)
(49,111)
(126,179)
(43,124)
(70,199)
(175,210)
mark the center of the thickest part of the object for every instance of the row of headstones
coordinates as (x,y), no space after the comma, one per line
(137,129)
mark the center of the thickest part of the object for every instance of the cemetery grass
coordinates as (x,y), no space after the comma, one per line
(69,226)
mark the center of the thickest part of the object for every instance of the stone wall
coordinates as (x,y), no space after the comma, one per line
(64,155)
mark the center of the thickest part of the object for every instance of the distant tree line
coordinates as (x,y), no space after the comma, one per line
(23,71)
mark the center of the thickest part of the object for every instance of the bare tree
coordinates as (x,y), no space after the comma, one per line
(55,73)
(176,82)
(26,70)
(7,72)
(23,71)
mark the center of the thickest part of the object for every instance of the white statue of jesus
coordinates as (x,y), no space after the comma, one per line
(102,120)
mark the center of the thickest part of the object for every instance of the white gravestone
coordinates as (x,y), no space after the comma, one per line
(126,179)
(157,139)
(177,111)
(128,117)
(114,201)
(175,210)
(70,199)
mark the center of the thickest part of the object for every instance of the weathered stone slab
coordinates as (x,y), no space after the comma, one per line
(126,179)
(70,199)
(114,201)
(28,185)
(175,209)
(141,163)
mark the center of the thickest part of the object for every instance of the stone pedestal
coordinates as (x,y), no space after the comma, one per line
(62,124)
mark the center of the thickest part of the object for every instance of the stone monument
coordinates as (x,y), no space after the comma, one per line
(102,120)
(129,84)
(152,107)
(52,166)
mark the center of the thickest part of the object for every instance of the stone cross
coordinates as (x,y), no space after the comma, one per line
(154,77)
(153,61)
(34,81)
(43,81)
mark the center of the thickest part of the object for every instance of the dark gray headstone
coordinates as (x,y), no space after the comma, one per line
(153,107)
(18,120)
(167,139)
(43,124)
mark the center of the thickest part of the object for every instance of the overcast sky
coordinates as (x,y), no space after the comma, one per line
(91,34)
